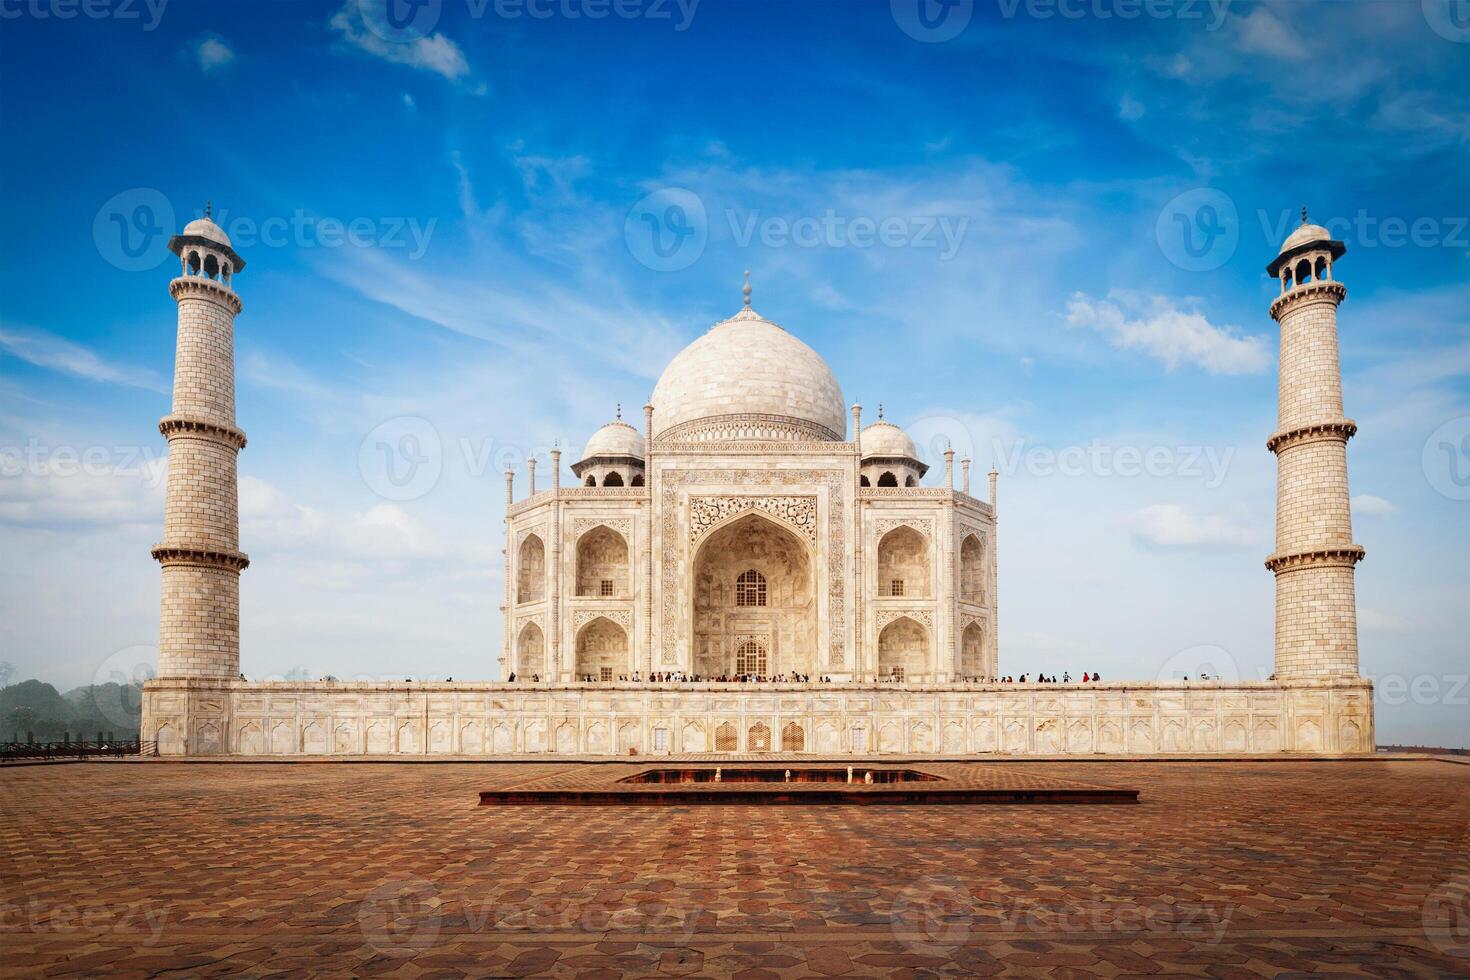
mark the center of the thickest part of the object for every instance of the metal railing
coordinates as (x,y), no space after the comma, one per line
(69,749)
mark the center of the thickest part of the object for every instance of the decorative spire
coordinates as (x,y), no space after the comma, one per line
(209,210)
(620,411)
(746,290)
(1304,214)
(880,411)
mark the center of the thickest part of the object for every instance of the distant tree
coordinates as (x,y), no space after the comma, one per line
(7,671)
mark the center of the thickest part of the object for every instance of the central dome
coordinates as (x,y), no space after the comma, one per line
(748,379)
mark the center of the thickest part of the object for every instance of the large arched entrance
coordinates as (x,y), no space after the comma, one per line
(754,601)
(903,650)
(602,650)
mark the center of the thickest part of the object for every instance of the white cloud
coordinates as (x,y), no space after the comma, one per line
(433,52)
(50,351)
(1168,334)
(1130,108)
(272,522)
(1171,527)
(211,53)
(1262,33)
(68,486)
(1368,505)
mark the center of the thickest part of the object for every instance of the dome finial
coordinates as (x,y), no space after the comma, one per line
(880,411)
(1304,214)
(620,411)
(209,209)
(746,290)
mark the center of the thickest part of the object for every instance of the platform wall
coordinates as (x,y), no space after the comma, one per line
(197,717)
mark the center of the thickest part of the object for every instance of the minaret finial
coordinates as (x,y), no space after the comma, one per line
(880,411)
(209,210)
(620,411)
(1304,214)
(746,290)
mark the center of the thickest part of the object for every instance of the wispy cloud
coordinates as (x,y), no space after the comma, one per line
(1262,33)
(211,53)
(1370,505)
(59,354)
(1172,527)
(432,52)
(1170,335)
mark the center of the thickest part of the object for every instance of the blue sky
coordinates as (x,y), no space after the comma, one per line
(1035,229)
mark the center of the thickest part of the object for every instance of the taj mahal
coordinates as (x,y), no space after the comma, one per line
(753,569)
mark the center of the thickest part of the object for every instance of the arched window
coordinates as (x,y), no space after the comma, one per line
(1321,270)
(1303,272)
(612,480)
(887,480)
(863,481)
(909,481)
(750,658)
(637,480)
(750,589)
(591,480)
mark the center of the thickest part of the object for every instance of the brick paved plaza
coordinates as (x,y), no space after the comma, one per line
(1224,869)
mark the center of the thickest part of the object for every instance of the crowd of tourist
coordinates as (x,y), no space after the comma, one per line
(679,677)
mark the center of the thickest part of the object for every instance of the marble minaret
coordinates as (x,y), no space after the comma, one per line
(199,633)
(1316,611)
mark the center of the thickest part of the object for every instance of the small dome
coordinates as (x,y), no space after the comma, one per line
(749,371)
(886,439)
(615,439)
(1305,235)
(205,228)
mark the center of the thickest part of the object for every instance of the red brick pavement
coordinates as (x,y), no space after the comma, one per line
(1223,870)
